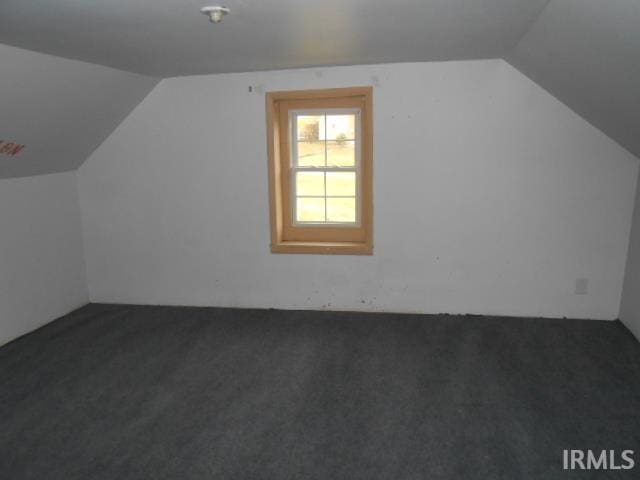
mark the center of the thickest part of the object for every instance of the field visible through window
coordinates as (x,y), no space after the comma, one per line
(326,142)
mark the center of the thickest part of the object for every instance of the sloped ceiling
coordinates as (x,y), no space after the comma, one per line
(587,54)
(584,52)
(59,109)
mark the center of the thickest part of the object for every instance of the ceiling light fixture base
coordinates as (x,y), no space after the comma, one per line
(215,13)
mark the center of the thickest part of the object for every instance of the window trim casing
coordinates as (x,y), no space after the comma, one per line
(318,239)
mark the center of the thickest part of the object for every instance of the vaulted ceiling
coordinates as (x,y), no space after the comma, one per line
(585,52)
(60,110)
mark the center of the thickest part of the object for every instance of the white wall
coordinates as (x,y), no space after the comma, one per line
(491,197)
(60,109)
(630,307)
(42,273)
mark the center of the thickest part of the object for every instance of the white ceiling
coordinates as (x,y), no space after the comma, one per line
(61,110)
(587,54)
(166,38)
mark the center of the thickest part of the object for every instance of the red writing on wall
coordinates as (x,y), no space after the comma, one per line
(10,149)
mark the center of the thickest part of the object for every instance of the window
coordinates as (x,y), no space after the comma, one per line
(320,155)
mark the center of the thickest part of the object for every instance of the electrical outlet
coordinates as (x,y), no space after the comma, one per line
(582,286)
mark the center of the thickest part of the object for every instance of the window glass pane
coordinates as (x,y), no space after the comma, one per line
(341,184)
(341,127)
(310,127)
(341,210)
(310,209)
(310,183)
(311,154)
(341,153)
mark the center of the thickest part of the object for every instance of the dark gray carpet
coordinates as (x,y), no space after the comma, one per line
(127,392)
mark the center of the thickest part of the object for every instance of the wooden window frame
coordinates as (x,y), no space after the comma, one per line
(286,236)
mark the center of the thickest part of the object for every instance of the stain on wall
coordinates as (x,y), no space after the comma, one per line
(10,149)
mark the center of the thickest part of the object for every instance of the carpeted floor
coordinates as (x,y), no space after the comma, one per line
(129,392)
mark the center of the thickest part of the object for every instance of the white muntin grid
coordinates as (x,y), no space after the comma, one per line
(295,168)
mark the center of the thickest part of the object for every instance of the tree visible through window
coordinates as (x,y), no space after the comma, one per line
(325,166)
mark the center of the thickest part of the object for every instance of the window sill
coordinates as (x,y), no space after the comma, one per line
(323,248)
